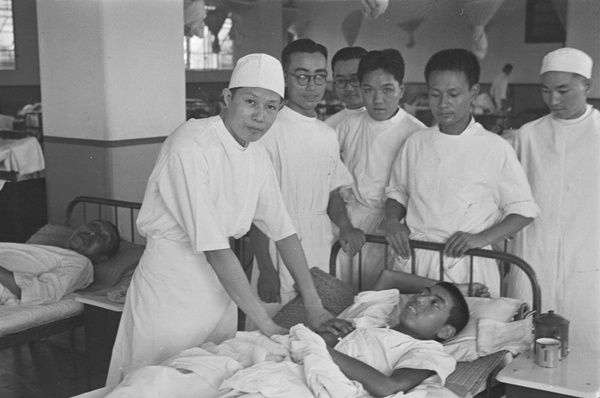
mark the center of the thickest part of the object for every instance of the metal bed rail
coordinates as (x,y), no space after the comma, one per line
(105,209)
(502,258)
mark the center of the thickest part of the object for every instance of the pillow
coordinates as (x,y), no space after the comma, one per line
(112,271)
(372,308)
(463,346)
(51,235)
(515,337)
(107,273)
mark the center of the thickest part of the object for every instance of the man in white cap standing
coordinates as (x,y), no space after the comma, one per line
(560,153)
(210,183)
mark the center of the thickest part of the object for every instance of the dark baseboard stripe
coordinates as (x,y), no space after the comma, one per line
(104,144)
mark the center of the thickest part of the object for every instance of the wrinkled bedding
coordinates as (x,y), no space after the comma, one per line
(253,366)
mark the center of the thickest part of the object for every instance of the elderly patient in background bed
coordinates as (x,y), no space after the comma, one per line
(40,274)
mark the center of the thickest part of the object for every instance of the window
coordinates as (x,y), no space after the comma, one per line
(545,21)
(7,37)
(210,52)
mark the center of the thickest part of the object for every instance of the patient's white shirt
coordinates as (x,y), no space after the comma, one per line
(387,350)
(45,274)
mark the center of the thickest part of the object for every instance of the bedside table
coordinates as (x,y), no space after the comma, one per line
(577,376)
(101,321)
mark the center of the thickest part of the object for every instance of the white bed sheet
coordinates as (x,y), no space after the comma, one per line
(20,317)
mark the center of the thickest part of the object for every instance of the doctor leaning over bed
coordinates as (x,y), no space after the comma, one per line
(210,183)
(39,274)
(384,361)
(560,153)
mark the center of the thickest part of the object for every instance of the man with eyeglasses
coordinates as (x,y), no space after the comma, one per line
(344,65)
(305,154)
(369,142)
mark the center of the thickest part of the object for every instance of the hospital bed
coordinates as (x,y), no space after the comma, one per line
(472,377)
(26,323)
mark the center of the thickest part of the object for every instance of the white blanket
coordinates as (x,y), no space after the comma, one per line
(251,365)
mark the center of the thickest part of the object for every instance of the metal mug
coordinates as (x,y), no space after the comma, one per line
(548,352)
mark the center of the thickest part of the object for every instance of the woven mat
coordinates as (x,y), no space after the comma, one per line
(469,377)
(335,295)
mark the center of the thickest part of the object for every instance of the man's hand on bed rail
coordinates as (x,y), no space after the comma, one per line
(352,240)
(460,242)
(397,235)
(479,290)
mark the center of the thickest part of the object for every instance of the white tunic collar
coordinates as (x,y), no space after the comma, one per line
(471,129)
(292,114)
(227,137)
(394,119)
(567,122)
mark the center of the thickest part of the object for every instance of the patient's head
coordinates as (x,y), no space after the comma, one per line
(98,240)
(438,313)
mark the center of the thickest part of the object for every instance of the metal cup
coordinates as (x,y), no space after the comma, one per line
(548,352)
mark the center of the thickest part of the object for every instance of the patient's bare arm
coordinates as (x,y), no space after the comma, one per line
(375,382)
(409,283)
(7,279)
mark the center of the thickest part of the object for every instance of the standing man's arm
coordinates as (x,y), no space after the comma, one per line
(231,275)
(268,280)
(396,233)
(352,239)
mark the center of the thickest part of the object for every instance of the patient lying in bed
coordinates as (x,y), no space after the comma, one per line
(40,274)
(368,361)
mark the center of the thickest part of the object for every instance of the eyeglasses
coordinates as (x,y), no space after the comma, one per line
(341,83)
(303,80)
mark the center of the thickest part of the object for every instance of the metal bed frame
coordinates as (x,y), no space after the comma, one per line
(504,260)
(70,324)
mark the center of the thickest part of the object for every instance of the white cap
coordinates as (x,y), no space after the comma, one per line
(258,70)
(568,60)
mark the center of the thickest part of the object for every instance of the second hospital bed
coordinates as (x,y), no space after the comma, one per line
(26,323)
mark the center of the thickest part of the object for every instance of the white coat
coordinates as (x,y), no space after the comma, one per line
(369,147)
(562,161)
(306,157)
(450,183)
(204,189)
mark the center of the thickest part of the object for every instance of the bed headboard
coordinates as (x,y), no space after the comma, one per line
(503,259)
(120,212)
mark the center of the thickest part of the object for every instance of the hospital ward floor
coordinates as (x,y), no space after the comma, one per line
(48,368)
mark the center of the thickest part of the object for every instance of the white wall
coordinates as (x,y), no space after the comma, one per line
(111,70)
(583,25)
(444,26)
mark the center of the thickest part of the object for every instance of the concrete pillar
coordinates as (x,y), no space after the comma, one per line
(113,86)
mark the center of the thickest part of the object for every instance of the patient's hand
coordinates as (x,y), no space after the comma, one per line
(479,290)
(337,327)
(269,285)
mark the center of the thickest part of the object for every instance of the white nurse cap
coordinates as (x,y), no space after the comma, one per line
(568,60)
(258,70)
